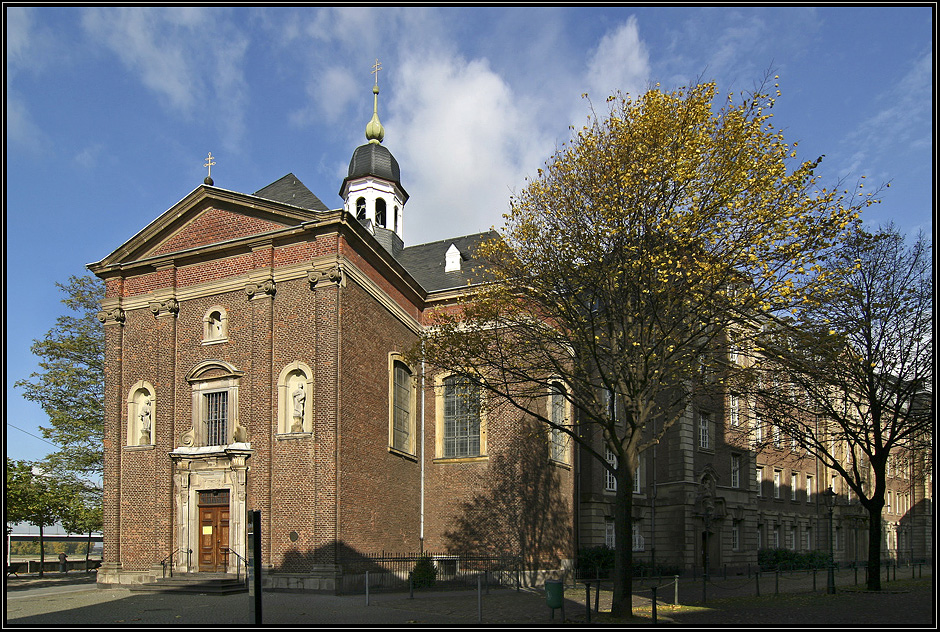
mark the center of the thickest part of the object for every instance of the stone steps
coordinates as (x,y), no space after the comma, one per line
(202,583)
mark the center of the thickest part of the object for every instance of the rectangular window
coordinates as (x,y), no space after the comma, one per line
(610,482)
(887,502)
(777,474)
(789,537)
(704,422)
(559,440)
(609,533)
(794,484)
(736,536)
(636,480)
(776,430)
(776,536)
(215,417)
(809,538)
(760,537)
(735,470)
(758,429)
(461,417)
(401,439)
(809,488)
(760,481)
(734,409)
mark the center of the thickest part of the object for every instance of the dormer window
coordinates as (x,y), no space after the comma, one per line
(361,208)
(452,259)
(380,212)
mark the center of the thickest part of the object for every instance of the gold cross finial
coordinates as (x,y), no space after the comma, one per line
(376,67)
(209,163)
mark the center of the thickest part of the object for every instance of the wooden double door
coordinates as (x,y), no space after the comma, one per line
(213,530)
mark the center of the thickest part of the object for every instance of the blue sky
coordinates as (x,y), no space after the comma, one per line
(111,112)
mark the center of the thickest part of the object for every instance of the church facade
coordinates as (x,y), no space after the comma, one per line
(256,361)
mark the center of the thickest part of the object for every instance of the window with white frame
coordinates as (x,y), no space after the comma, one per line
(214,405)
(794,540)
(809,538)
(637,487)
(610,481)
(888,501)
(734,409)
(215,325)
(758,429)
(760,536)
(809,488)
(609,533)
(736,470)
(215,417)
(777,475)
(760,481)
(794,484)
(704,430)
(789,538)
(776,535)
(736,536)
(776,431)
(558,438)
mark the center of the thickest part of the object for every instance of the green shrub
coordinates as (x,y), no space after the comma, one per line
(424,574)
(787,560)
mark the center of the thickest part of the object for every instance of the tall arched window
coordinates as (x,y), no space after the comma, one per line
(556,414)
(462,427)
(402,396)
(215,325)
(380,212)
(361,208)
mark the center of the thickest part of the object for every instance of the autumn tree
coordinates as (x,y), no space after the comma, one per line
(70,383)
(850,374)
(623,263)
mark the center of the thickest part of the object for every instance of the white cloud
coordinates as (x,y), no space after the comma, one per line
(620,62)
(21,130)
(463,138)
(191,57)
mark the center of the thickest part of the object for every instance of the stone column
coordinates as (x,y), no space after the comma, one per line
(112,316)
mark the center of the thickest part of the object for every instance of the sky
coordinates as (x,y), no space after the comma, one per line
(111,113)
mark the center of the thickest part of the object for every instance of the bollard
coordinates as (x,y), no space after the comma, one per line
(367,588)
(814,579)
(676,599)
(479,601)
(411,586)
(486,576)
(597,596)
(757,578)
(777,582)
(654,605)
(587,600)
(856,574)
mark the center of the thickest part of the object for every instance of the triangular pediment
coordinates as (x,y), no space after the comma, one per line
(209,216)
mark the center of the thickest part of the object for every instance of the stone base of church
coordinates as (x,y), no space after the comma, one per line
(320,579)
(110,574)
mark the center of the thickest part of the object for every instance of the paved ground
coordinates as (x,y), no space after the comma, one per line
(76,600)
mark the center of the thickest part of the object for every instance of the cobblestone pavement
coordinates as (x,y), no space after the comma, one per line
(77,601)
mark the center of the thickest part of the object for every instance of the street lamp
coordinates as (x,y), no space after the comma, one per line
(830,498)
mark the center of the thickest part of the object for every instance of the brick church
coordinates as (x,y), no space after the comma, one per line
(255,361)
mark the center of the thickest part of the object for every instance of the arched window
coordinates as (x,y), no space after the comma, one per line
(395,219)
(215,325)
(295,399)
(402,396)
(214,405)
(380,212)
(557,408)
(141,407)
(361,208)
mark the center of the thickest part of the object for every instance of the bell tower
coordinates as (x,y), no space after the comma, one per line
(372,190)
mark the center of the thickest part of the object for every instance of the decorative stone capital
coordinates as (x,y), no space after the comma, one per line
(333,275)
(111,316)
(161,308)
(260,288)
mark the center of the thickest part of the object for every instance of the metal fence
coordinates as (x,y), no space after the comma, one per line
(392,572)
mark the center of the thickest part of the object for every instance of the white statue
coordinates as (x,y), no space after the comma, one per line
(145,419)
(300,397)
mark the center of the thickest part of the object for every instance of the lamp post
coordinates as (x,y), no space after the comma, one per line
(830,498)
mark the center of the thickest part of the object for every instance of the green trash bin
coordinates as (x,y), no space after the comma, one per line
(555,596)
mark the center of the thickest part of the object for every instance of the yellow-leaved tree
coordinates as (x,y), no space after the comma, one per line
(623,264)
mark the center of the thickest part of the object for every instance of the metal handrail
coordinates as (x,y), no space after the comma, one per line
(169,558)
(239,559)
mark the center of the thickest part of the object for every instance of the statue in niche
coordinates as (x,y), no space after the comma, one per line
(144,413)
(300,397)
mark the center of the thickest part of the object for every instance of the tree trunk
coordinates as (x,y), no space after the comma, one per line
(87,551)
(42,551)
(622,601)
(874,549)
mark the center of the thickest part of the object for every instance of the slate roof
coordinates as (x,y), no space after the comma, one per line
(425,262)
(290,190)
